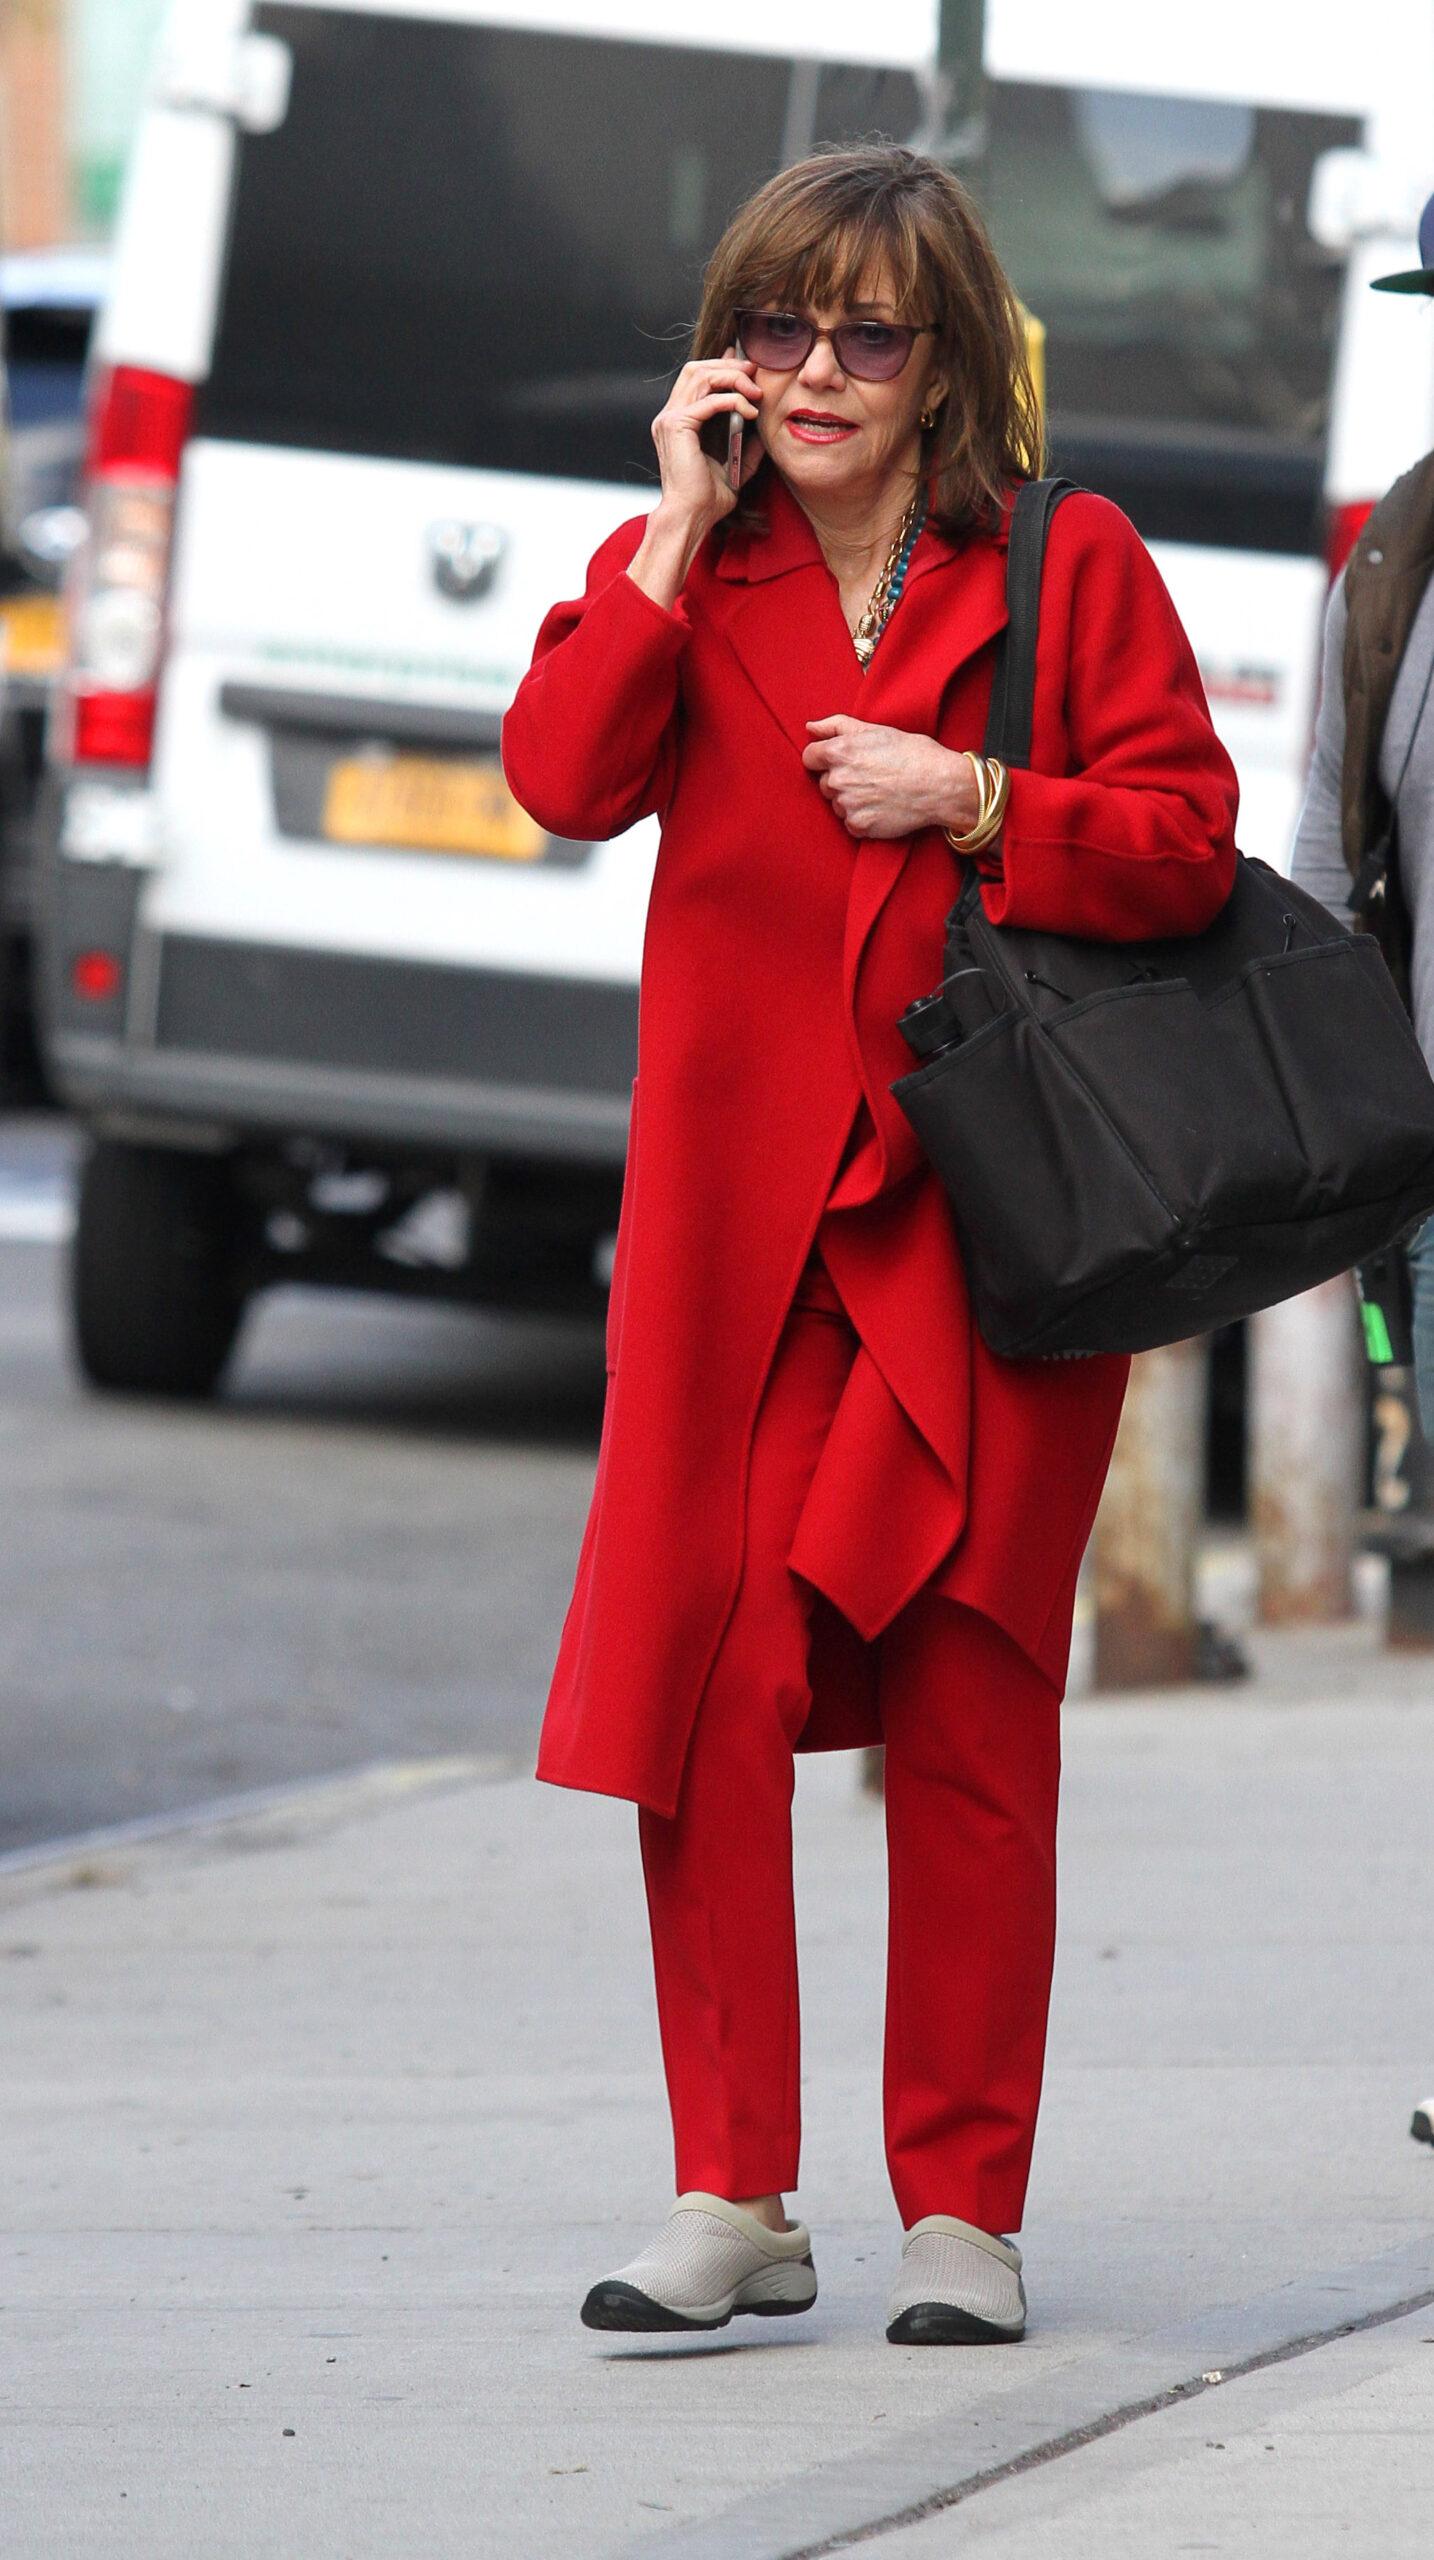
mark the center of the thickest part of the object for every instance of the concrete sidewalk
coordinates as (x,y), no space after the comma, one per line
(318,2122)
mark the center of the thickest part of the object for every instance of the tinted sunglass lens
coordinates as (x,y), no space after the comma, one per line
(777,339)
(871,350)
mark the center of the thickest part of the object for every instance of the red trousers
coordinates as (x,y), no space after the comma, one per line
(972,1734)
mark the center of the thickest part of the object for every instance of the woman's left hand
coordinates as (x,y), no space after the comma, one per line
(889,782)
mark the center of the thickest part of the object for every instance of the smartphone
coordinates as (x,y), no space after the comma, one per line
(723,439)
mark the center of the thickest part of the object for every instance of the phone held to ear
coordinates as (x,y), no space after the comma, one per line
(723,439)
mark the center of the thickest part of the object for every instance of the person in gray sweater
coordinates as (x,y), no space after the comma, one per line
(1385,762)
(1406,777)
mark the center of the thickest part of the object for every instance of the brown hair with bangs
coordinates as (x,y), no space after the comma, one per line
(812,234)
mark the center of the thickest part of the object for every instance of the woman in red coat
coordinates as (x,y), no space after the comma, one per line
(824,1512)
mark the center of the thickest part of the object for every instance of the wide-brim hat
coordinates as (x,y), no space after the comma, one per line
(1418,279)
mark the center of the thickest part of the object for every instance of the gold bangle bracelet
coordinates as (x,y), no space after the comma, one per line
(974,842)
(993,784)
(996,778)
(982,772)
(966,843)
(1000,793)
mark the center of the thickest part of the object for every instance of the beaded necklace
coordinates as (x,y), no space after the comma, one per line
(886,594)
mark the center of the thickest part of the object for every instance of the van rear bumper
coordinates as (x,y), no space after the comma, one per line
(251,1098)
(244,1040)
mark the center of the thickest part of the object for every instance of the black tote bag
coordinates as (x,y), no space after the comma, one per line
(1140,1141)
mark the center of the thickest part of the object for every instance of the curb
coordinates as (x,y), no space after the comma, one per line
(271,1814)
(986,2440)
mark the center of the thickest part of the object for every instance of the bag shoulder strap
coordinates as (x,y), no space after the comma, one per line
(1013,688)
(1013,684)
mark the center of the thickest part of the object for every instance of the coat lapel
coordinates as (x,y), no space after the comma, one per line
(795,648)
(779,608)
(954,604)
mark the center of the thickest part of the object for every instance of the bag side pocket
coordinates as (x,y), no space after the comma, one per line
(1353,1078)
(1039,1179)
(1186,1085)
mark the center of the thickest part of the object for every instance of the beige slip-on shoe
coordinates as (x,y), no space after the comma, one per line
(710,2258)
(957,2287)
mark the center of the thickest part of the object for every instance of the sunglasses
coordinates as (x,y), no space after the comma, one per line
(869,350)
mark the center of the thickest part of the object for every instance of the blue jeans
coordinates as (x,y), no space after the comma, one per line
(1421,1267)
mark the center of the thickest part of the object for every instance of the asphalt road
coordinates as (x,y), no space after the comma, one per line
(364,1549)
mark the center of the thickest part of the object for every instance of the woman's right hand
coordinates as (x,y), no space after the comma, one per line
(695,488)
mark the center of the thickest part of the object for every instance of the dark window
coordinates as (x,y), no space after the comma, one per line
(482,245)
(45,349)
(1191,320)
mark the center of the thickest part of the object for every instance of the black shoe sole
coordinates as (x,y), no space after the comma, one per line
(613,2305)
(941,2324)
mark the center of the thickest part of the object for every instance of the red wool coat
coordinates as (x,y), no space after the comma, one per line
(779,953)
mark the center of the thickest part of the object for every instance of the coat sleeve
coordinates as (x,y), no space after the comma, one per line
(1318,862)
(589,741)
(1136,839)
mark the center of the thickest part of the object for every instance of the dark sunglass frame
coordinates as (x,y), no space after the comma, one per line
(902,334)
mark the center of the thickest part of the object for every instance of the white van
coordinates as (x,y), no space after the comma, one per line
(397,292)
(398,287)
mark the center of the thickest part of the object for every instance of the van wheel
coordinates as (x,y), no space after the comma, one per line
(156,1289)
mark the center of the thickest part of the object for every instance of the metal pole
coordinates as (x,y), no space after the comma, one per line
(1148,1525)
(1306,1444)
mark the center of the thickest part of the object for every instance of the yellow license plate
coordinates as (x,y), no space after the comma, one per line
(435,804)
(31,635)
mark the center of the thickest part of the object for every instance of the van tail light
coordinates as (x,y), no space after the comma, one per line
(97,976)
(138,424)
(1343,527)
